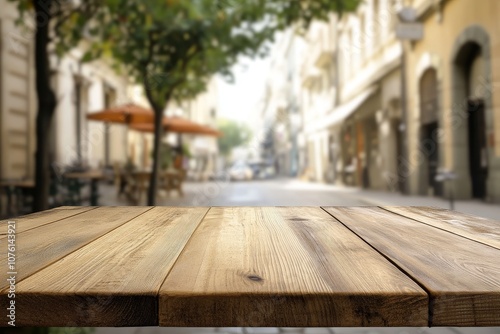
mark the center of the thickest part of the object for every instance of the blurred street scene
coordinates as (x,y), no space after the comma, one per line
(397,97)
(338,109)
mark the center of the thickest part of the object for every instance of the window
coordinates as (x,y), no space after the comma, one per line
(377,22)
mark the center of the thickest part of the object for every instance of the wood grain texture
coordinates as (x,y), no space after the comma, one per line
(114,280)
(34,220)
(483,230)
(285,267)
(39,247)
(461,275)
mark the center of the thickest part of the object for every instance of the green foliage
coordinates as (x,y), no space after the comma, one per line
(234,135)
(173,47)
(168,154)
(68,20)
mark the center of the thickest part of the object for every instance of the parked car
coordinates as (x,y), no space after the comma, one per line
(240,172)
(262,170)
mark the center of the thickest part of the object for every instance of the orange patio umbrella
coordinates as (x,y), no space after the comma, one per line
(125,114)
(179,125)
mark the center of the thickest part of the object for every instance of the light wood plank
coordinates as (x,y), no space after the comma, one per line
(34,220)
(462,276)
(483,230)
(285,267)
(113,281)
(39,247)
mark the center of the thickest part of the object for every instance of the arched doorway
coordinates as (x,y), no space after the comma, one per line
(429,127)
(472,112)
(478,151)
(470,65)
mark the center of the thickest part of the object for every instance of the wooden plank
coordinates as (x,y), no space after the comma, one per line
(34,220)
(113,281)
(461,275)
(39,247)
(480,229)
(285,267)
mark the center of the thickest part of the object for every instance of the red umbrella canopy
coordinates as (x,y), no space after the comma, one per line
(126,114)
(179,125)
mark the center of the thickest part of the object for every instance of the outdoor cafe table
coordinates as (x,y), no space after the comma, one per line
(94,176)
(14,187)
(253,266)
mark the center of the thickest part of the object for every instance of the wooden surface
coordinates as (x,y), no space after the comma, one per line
(42,218)
(461,276)
(63,237)
(269,266)
(129,264)
(298,255)
(483,230)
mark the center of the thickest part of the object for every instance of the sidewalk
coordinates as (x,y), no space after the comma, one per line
(384,198)
(472,207)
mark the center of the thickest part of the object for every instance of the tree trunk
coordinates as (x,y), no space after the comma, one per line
(153,182)
(46,105)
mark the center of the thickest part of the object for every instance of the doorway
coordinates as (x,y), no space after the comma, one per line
(473,158)
(429,127)
(478,158)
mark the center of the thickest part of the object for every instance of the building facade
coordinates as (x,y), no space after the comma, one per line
(79,88)
(281,106)
(385,114)
(352,88)
(454,99)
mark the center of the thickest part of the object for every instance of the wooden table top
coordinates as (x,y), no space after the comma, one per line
(254,266)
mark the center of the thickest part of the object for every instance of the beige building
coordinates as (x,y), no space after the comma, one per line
(280,109)
(17,97)
(354,128)
(351,104)
(454,98)
(80,89)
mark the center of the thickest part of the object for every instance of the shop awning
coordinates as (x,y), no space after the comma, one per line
(342,112)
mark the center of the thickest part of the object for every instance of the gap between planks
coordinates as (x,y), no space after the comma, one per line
(28,218)
(460,275)
(429,296)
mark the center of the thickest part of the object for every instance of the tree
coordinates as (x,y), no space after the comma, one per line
(173,47)
(58,27)
(234,135)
